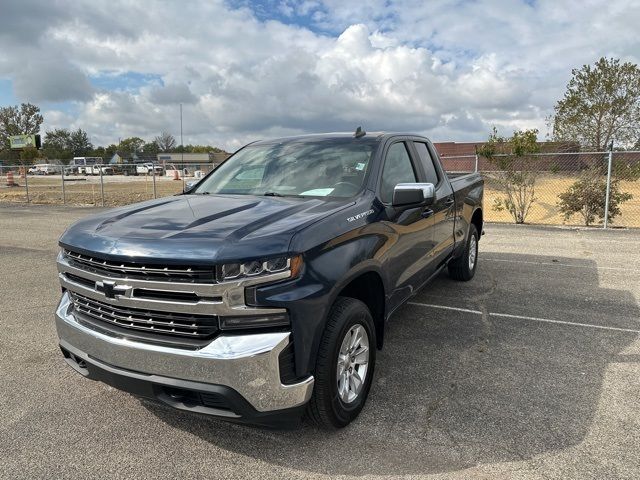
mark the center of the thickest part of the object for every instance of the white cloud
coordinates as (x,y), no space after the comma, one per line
(448,69)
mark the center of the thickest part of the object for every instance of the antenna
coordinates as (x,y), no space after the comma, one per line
(359,132)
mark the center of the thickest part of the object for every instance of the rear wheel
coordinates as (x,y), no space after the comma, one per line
(345,364)
(464,267)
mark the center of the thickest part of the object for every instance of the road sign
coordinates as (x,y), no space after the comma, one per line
(19,142)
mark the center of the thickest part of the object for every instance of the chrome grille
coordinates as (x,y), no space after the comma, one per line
(111,268)
(174,306)
(134,320)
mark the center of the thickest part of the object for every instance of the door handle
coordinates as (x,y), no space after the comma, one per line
(426,213)
(449,201)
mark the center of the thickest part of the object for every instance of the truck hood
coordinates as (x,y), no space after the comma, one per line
(198,228)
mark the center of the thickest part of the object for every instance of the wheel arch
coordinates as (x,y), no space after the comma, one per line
(478,221)
(367,285)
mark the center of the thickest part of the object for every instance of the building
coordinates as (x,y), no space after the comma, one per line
(461,157)
(193,161)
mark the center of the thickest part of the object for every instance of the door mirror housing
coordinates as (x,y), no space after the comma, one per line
(189,185)
(408,194)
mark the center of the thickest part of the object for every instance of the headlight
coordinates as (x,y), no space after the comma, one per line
(255,268)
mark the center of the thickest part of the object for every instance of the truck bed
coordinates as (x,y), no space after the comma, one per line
(462,180)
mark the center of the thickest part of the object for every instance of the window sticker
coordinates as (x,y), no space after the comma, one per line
(317,192)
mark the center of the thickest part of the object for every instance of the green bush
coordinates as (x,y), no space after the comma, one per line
(513,157)
(625,170)
(587,197)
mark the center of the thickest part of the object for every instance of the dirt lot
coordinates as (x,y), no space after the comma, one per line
(545,209)
(86,191)
(528,371)
(119,190)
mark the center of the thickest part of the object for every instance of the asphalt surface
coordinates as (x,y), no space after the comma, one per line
(531,370)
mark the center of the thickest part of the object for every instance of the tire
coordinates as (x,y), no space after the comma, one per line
(332,407)
(464,267)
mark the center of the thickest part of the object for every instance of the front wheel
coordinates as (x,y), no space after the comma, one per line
(345,364)
(464,267)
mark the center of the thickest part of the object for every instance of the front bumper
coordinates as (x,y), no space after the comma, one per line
(244,369)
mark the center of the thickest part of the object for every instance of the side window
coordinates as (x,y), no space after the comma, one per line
(397,169)
(427,162)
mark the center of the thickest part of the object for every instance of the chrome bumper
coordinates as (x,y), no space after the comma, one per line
(246,363)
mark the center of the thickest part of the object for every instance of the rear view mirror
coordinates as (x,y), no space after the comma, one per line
(189,185)
(405,194)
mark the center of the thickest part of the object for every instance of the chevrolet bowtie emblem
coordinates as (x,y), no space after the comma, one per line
(110,289)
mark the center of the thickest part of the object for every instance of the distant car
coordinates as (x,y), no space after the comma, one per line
(45,169)
(148,168)
(95,170)
(125,169)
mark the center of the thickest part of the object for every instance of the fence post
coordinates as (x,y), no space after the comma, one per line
(26,183)
(64,193)
(101,184)
(606,200)
(153,168)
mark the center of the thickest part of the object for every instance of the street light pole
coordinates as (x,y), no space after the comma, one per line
(182,149)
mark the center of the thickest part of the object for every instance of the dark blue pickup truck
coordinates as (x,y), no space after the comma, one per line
(262,292)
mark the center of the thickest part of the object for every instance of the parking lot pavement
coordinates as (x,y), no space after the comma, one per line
(528,371)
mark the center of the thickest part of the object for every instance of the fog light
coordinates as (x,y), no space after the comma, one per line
(258,321)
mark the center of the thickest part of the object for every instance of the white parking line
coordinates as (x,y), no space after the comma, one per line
(524,317)
(630,269)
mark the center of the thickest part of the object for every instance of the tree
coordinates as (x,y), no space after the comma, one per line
(110,151)
(202,149)
(130,145)
(80,144)
(516,179)
(151,148)
(587,197)
(601,105)
(99,151)
(15,120)
(165,142)
(28,155)
(57,144)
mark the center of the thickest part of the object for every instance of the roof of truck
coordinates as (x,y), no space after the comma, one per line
(336,135)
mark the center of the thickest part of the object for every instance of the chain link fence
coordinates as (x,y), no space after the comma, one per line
(102,185)
(568,188)
(546,188)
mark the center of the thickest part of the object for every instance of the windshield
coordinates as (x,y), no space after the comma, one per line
(325,168)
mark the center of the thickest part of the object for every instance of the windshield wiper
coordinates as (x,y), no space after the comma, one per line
(272,194)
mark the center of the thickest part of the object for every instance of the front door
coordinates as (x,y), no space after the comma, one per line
(407,251)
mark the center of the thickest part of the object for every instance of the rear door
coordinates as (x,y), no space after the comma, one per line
(444,205)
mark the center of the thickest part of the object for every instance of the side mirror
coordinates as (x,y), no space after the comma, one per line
(189,185)
(406,194)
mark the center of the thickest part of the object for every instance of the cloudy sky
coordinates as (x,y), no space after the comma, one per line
(247,70)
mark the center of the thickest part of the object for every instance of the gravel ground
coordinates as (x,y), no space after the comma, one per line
(528,371)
